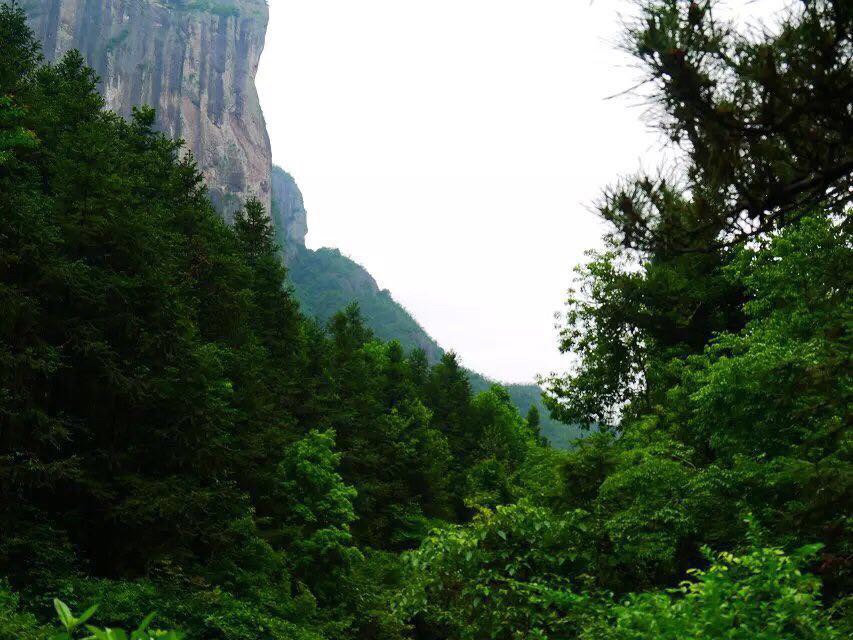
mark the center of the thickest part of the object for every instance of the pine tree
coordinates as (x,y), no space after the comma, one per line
(448,395)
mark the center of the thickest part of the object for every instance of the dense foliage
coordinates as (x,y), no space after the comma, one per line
(177,437)
(174,434)
(712,350)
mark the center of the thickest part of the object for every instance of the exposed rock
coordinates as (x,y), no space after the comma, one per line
(288,213)
(194,61)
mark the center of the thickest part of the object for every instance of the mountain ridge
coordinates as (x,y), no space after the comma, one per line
(325,281)
(201,83)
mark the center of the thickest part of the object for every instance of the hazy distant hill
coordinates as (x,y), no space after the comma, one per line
(326,281)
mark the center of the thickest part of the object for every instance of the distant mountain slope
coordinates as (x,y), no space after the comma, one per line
(325,281)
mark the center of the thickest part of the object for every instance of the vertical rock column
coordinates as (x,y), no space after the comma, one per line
(194,61)
(288,214)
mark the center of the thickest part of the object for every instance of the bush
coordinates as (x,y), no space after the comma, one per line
(762,595)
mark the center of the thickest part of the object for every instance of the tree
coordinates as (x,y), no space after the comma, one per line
(763,120)
(533,419)
(707,356)
(21,53)
(761,150)
(314,511)
(448,395)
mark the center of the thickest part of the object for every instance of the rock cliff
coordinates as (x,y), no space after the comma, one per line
(288,213)
(194,61)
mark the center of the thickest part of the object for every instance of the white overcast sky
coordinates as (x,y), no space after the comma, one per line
(453,148)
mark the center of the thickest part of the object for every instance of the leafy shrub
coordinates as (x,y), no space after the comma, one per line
(762,595)
(15,624)
(512,573)
(76,627)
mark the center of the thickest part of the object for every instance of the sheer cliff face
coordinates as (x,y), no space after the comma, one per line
(288,213)
(193,60)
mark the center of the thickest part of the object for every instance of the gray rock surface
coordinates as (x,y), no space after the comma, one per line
(194,61)
(288,213)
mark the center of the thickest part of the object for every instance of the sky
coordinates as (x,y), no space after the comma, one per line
(454,148)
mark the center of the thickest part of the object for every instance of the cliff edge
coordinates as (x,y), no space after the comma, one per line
(194,61)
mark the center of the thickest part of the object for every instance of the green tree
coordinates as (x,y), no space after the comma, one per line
(533,419)
(448,394)
(314,513)
(762,126)
(762,118)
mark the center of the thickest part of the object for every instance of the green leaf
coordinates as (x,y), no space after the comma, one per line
(145,622)
(86,614)
(65,615)
(808,551)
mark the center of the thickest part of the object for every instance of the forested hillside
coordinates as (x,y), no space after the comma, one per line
(326,281)
(178,439)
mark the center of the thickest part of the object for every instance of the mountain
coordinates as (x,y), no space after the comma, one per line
(195,62)
(326,281)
